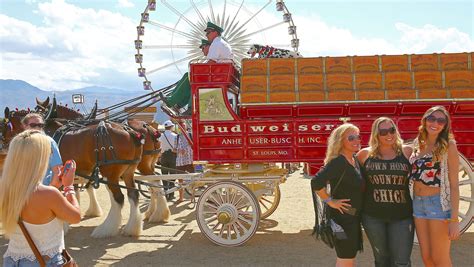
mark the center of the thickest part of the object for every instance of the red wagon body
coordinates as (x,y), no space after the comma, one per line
(227,131)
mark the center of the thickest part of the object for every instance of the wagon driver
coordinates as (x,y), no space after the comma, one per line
(219,51)
(205,44)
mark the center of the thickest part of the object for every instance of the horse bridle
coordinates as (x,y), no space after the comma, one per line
(154,137)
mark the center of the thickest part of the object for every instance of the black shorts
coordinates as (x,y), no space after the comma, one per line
(347,248)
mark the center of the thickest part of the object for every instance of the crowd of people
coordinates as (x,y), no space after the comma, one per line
(393,190)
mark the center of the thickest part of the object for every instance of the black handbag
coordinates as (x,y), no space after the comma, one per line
(322,229)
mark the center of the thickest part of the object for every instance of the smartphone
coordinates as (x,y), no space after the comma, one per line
(67,166)
(351,211)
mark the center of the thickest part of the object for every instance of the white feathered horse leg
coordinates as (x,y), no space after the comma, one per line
(94,209)
(111,225)
(134,225)
(158,210)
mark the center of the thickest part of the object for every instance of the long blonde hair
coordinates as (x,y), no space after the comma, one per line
(335,141)
(25,166)
(442,142)
(374,144)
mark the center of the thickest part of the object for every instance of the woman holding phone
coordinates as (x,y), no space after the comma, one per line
(41,208)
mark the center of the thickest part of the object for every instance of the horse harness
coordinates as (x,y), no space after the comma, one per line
(103,143)
(154,135)
(156,143)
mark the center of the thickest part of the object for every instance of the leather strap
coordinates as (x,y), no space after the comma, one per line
(32,244)
(338,182)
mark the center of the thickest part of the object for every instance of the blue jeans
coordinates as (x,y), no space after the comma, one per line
(56,260)
(391,240)
(429,207)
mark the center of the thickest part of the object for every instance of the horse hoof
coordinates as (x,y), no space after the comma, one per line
(101,232)
(160,217)
(131,232)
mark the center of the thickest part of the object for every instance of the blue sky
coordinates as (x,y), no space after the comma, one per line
(60,44)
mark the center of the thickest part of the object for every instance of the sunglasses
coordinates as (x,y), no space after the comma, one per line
(440,120)
(36,125)
(208,32)
(353,137)
(384,132)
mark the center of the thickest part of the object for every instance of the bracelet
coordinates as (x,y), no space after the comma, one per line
(453,220)
(327,200)
(68,188)
(67,193)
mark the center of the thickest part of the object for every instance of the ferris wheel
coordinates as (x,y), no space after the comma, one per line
(170,32)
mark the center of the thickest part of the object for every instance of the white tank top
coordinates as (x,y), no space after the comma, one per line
(48,238)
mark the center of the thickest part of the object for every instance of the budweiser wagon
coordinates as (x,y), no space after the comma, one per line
(251,115)
(283,110)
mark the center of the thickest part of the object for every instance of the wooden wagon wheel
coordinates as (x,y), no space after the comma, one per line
(268,198)
(228,213)
(269,203)
(466,197)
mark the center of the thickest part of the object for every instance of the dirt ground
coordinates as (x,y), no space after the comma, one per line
(284,239)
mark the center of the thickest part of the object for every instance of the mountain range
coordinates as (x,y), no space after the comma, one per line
(20,94)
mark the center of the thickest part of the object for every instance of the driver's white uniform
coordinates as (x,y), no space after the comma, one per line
(220,51)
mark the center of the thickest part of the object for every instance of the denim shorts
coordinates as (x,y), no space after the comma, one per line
(429,207)
(56,260)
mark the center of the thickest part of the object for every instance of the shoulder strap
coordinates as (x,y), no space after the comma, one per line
(31,243)
(168,141)
(339,181)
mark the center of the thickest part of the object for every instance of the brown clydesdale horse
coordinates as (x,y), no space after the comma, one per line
(116,152)
(158,210)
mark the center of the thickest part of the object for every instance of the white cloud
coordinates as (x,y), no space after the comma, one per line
(318,38)
(430,38)
(125,3)
(73,47)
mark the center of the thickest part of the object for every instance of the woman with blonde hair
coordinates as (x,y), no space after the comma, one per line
(435,169)
(387,212)
(341,172)
(41,208)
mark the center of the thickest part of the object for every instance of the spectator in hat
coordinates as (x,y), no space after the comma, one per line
(168,156)
(219,51)
(34,121)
